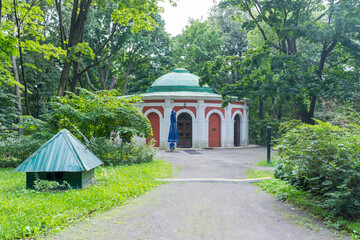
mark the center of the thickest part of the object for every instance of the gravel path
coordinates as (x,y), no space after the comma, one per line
(196,210)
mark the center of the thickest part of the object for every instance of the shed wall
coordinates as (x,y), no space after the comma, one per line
(75,179)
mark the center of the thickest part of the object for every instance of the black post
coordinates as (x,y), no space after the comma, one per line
(269,145)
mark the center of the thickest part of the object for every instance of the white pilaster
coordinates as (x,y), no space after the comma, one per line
(226,139)
(165,124)
(245,128)
(202,124)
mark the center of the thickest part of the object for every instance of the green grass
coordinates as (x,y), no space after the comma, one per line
(28,213)
(286,192)
(253,173)
(265,164)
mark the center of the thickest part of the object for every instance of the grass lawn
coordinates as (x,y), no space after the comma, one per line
(27,213)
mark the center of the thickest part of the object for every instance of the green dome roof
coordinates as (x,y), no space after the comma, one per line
(179,80)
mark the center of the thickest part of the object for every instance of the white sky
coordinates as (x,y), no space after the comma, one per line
(176,18)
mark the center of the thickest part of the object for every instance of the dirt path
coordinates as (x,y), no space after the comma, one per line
(203,210)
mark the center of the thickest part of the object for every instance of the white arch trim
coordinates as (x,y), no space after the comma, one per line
(153,110)
(186,111)
(235,113)
(215,111)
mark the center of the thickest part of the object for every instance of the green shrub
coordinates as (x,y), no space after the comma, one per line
(9,162)
(99,114)
(48,186)
(122,153)
(325,161)
(20,148)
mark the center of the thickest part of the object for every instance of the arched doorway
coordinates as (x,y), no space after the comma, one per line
(184,128)
(155,125)
(214,130)
(237,130)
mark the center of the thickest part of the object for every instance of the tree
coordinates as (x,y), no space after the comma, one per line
(235,39)
(141,57)
(99,114)
(126,13)
(287,26)
(22,34)
(201,41)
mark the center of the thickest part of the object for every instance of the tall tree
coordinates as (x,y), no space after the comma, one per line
(21,34)
(286,26)
(199,42)
(134,13)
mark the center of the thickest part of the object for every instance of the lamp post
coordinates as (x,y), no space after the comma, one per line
(37,89)
(269,145)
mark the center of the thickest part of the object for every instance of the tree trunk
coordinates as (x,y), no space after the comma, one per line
(296,112)
(64,79)
(77,27)
(22,61)
(76,77)
(306,115)
(17,89)
(277,114)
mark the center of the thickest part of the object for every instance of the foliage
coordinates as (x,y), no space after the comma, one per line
(47,186)
(117,15)
(288,126)
(254,173)
(9,161)
(324,160)
(123,153)
(28,213)
(7,108)
(98,114)
(18,149)
(31,126)
(142,58)
(198,43)
(14,148)
(305,54)
(234,37)
(340,114)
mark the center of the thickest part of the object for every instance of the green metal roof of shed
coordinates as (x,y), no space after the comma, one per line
(62,153)
(178,80)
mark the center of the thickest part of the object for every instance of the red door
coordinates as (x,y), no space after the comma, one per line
(155,125)
(214,130)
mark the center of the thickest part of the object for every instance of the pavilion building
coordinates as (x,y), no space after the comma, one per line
(201,120)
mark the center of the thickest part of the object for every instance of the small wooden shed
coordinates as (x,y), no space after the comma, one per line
(62,158)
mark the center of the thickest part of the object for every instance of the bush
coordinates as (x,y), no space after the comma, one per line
(325,161)
(19,148)
(122,153)
(48,186)
(9,162)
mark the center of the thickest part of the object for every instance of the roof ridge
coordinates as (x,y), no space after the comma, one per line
(74,150)
(37,151)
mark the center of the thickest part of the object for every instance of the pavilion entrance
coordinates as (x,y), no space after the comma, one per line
(184,130)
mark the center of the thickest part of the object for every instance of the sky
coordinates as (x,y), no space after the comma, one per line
(176,18)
